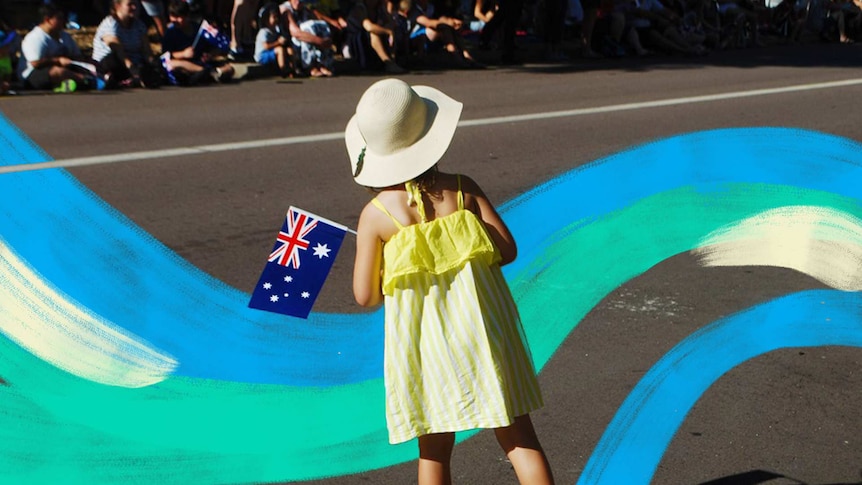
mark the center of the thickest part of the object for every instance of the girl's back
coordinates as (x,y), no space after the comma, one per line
(439,199)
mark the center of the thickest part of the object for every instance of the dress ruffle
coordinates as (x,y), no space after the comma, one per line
(437,247)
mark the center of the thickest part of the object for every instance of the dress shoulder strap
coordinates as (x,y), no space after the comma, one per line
(379,205)
(460,194)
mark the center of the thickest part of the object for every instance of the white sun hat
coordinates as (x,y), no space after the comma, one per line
(399,132)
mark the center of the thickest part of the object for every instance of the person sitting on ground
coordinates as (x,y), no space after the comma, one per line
(740,15)
(122,49)
(373,26)
(332,12)
(692,22)
(443,30)
(271,48)
(190,63)
(658,27)
(311,37)
(48,53)
(620,32)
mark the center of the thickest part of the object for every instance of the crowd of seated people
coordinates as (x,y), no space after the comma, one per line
(147,43)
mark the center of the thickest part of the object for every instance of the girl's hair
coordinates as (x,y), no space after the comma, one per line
(427,180)
(424,181)
(263,14)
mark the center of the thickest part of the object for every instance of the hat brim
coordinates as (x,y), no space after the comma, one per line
(386,170)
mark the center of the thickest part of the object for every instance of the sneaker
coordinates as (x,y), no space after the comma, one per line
(67,86)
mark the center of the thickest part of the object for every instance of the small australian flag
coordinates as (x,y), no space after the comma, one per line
(212,37)
(298,264)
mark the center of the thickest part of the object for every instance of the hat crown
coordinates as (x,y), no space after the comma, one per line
(391,116)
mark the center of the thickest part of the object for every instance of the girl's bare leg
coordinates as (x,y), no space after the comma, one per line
(522,447)
(435,454)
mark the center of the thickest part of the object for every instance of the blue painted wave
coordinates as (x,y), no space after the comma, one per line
(636,439)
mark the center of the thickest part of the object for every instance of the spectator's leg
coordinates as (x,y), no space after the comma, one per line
(379,46)
(240,22)
(114,70)
(587,26)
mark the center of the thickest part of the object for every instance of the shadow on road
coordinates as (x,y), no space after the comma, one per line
(757,477)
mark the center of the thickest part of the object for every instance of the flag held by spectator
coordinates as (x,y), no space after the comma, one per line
(212,37)
(298,264)
(169,69)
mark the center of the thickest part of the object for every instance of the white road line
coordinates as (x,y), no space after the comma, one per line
(292,140)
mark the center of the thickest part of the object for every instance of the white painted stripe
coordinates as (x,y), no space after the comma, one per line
(294,140)
(821,242)
(53,327)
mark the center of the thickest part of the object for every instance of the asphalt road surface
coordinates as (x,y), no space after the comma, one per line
(790,416)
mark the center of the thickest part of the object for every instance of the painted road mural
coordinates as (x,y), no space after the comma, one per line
(121,362)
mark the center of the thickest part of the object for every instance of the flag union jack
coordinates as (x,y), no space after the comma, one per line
(284,287)
(299,225)
(212,35)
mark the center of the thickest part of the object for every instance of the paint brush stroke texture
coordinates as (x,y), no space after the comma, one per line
(634,442)
(622,216)
(41,319)
(818,241)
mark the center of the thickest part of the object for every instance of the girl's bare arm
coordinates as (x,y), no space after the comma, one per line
(369,256)
(497,229)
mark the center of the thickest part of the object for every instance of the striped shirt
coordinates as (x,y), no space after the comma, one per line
(132,39)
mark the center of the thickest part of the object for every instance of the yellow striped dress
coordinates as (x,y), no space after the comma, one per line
(455,357)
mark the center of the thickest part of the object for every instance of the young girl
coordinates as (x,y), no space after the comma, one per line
(270,46)
(430,246)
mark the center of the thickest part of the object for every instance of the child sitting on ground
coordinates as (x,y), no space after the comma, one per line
(189,59)
(271,48)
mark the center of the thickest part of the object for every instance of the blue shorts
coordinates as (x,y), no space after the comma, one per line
(267,57)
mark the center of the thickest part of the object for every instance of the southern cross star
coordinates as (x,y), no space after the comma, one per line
(321,251)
